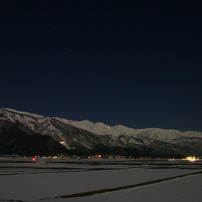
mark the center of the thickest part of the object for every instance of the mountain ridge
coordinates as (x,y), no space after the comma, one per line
(85,136)
(87,121)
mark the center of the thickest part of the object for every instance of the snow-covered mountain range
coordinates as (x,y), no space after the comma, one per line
(87,137)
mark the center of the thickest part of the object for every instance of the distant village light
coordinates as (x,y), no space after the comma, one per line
(192,158)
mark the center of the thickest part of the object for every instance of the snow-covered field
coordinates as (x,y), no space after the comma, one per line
(99,180)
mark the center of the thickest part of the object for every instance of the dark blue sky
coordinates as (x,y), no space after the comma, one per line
(135,63)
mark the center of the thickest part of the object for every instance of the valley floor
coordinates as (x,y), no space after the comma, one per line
(78,180)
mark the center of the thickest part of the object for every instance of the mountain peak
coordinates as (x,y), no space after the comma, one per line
(86,122)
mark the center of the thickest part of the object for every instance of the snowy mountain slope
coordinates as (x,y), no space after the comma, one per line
(68,135)
(85,135)
(154,139)
(17,139)
(169,136)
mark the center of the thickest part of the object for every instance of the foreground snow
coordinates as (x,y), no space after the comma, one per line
(185,189)
(49,181)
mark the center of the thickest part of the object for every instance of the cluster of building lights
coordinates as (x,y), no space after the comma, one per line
(191,158)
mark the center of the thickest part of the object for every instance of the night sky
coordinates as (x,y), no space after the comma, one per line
(130,62)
